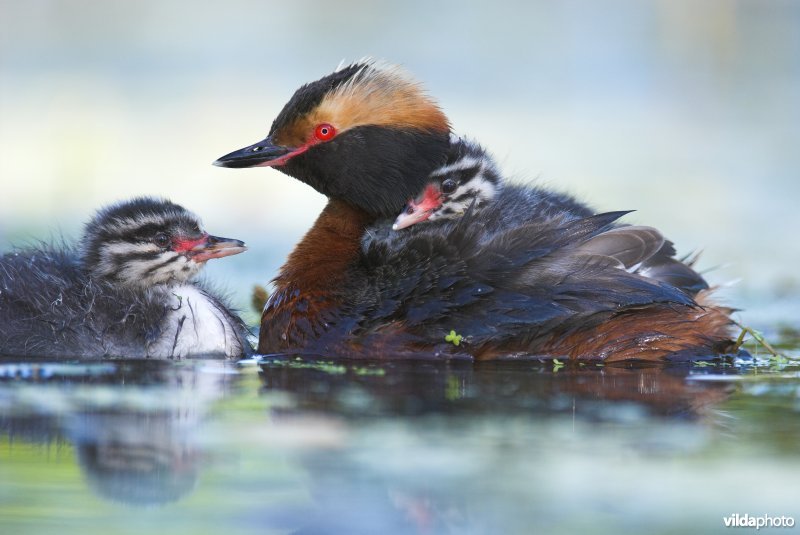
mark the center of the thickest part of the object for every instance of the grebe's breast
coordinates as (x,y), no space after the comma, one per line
(196,324)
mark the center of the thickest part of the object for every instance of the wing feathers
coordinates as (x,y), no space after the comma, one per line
(628,245)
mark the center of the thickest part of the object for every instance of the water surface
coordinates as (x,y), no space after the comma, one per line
(291,445)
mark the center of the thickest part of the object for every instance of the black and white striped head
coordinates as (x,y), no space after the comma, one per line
(146,242)
(468,180)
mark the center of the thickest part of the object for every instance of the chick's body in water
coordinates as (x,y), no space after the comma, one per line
(124,291)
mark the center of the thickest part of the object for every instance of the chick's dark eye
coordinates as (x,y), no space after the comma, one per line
(449,186)
(161,239)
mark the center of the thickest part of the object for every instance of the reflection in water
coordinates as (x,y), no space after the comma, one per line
(136,458)
(394,388)
(428,475)
(132,424)
(315,446)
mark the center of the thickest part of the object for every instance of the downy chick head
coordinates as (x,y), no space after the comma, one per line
(146,242)
(365,134)
(469,180)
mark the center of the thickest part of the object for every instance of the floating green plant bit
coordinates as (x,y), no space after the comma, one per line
(329,367)
(557,365)
(781,360)
(453,338)
(369,371)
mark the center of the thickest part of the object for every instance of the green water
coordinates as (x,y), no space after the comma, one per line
(309,446)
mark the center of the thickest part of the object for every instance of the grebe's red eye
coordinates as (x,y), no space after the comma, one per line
(324,132)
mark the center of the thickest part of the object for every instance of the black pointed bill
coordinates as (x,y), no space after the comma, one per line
(262,154)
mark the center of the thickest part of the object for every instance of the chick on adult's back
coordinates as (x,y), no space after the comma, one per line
(531,272)
(125,290)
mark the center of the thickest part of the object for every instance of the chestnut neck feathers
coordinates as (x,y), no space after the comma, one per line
(327,249)
(312,283)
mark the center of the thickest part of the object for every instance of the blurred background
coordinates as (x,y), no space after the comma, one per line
(687,111)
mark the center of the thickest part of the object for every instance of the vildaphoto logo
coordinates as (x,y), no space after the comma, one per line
(764,521)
